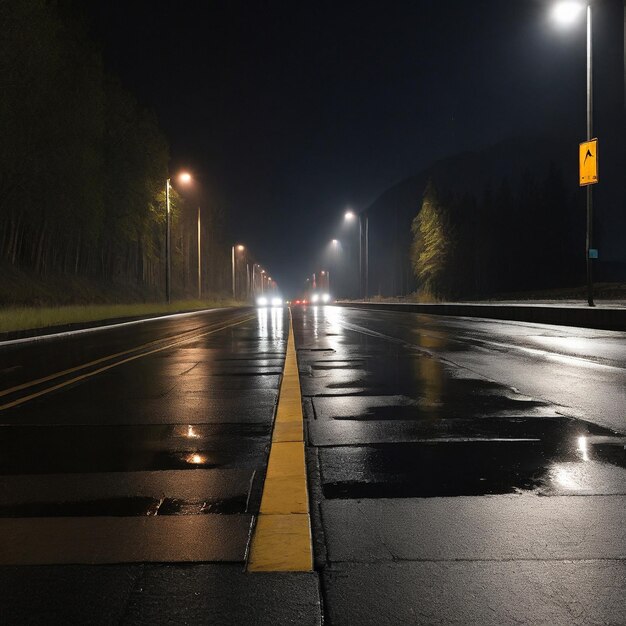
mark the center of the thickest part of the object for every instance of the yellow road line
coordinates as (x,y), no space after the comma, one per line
(71,381)
(282,535)
(77,368)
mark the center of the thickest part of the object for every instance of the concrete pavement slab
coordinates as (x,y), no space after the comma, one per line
(351,432)
(223,595)
(466,528)
(474,466)
(201,407)
(212,484)
(70,594)
(59,449)
(97,540)
(481,593)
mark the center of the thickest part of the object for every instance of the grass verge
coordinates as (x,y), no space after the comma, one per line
(28,318)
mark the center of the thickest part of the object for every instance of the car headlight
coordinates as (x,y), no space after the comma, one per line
(315,298)
(277,302)
(262,301)
(326,298)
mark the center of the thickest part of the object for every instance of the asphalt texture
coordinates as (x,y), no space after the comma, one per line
(132,462)
(464,471)
(459,471)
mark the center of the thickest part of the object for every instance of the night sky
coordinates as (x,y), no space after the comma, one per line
(292,111)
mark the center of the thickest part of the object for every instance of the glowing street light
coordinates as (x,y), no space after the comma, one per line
(183,177)
(326,274)
(566,13)
(349,216)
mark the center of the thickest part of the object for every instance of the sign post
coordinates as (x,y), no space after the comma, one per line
(588,176)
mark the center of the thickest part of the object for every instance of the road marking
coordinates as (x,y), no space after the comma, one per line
(134,357)
(282,535)
(44,379)
(485,343)
(93,329)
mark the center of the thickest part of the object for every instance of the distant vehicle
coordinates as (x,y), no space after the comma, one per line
(273,300)
(320,297)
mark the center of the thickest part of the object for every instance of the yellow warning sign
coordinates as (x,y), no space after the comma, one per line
(588,162)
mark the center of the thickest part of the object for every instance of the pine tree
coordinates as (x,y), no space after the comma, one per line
(432,247)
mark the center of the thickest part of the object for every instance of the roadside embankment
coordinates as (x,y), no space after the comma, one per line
(603,317)
(17,322)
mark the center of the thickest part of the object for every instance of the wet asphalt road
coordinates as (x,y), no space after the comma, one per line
(465,471)
(460,471)
(132,462)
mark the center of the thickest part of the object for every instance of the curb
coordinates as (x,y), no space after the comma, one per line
(584,317)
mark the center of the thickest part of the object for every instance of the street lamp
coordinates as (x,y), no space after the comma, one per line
(349,216)
(566,13)
(199,260)
(238,248)
(326,273)
(183,177)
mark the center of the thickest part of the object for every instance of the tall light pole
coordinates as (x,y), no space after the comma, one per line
(168,268)
(326,273)
(367,255)
(566,13)
(199,260)
(238,248)
(589,137)
(349,216)
(184,177)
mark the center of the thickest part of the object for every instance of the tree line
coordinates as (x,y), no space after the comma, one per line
(83,166)
(509,238)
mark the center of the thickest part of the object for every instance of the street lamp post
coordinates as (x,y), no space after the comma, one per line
(367,253)
(326,274)
(199,260)
(363,252)
(589,137)
(566,12)
(233,270)
(238,248)
(185,177)
(168,268)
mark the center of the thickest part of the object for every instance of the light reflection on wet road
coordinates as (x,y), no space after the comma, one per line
(182,430)
(393,387)
(410,415)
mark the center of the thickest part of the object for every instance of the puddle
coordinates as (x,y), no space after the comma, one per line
(88,449)
(549,466)
(125,507)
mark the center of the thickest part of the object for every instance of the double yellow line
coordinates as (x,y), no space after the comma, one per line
(125,356)
(282,535)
